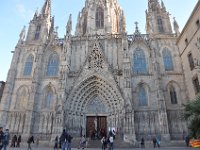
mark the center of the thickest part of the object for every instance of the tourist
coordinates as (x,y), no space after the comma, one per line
(63,139)
(30,140)
(83,142)
(103,143)
(142,143)
(56,145)
(69,142)
(14,140)
(111,140)
(18,141)
(154,142)
(6,139)
(158,142)
(187,140)
(1,137)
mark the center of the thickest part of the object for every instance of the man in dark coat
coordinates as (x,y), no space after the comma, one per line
(30,140)
(6,139)
(1,137)
(63,139)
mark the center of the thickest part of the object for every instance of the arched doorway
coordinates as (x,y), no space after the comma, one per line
(96,121)
(93,98)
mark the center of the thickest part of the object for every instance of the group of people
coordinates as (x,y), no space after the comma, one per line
(109,141)
(15,142)
(64,141)
(4,138)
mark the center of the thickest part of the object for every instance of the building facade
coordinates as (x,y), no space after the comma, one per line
(189,46)
(99,79)
(2,85)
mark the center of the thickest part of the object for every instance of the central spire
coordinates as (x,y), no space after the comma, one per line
(46,9)
(100,17)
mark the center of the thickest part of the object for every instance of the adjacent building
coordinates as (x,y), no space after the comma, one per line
(99,79)
(189,46)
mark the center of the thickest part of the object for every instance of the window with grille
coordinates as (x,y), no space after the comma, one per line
(99,18)
(28,66)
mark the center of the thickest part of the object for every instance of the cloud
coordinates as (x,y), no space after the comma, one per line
(23,12)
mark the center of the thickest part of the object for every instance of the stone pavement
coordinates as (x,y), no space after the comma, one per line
(49,148)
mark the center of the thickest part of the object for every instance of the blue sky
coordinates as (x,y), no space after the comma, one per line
(17,13)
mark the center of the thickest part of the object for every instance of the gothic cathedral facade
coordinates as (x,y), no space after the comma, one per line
(100,78)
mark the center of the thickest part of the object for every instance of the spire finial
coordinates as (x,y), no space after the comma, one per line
(136,27)
(176,27)
(46,10)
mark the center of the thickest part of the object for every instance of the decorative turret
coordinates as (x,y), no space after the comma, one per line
(41,25)
(157,18)
(69,25)
(100,17)
(176,27)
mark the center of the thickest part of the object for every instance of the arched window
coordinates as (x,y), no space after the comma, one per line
(28,65)
(160,24)
(173,95)
(22,98)
(140,66)
(85,23)
(142,96)
(53,64)
(167,58)
(99,18)
(48,99)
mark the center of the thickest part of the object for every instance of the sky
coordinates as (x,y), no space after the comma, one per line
(14,14)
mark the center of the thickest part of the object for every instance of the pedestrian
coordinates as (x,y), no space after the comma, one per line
(187,140)
(69,141)
(103,143)
(56,145)
(19,139)
(6,139)
(14,140)
(142,143)
(1,137)
(30,140)
(63,139)
(154,142)
(83,142)
(111,139)
(158,142)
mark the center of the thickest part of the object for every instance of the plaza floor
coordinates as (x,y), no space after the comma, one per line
(51,148)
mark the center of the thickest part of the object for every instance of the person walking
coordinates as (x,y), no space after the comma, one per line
(6,139)
(83,142)
(63,139)
(142,143)
(154,142)
(69,142)
(30,140)
(14,140)
(103,143)
(111,139)
(158,142)
(1,137)
(19,139)
(56,145)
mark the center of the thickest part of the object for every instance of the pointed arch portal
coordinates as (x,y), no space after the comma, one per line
(94,98)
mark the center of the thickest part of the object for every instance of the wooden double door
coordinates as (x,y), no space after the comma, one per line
(96,125)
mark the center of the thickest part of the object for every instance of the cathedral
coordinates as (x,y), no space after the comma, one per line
(97,79)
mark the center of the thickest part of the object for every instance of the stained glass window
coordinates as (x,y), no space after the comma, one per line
(28,65)
(167,58)
(99,18)
(53,64)
(142,96)
(140,66)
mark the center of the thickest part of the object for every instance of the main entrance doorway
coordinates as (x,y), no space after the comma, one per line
(96,127)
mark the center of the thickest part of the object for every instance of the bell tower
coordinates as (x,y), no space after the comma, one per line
(100,17)
(41,25)
(157,18)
